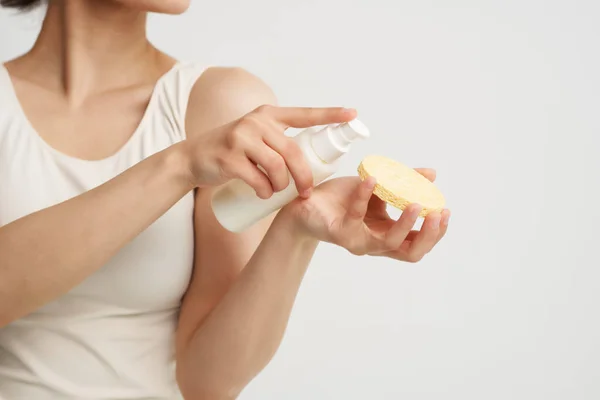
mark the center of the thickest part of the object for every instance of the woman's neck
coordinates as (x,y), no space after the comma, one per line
(90,46)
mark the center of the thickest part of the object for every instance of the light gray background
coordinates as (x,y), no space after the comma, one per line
(502,97)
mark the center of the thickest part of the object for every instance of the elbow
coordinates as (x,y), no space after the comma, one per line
(198,387)
(206,394)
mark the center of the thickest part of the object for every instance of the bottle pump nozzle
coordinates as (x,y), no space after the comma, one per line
(333,141)
(354,130)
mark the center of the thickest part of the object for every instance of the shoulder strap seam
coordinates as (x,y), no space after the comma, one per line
(188,85)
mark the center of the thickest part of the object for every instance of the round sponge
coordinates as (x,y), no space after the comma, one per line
(400,185)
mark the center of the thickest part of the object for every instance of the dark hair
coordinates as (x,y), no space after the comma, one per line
(22,5)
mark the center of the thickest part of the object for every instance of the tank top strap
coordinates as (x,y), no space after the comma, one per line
(174,93)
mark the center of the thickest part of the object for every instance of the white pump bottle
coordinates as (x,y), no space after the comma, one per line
(236,205)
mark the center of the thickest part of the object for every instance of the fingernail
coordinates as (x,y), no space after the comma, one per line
(349,110)
(306,193)
(371,182)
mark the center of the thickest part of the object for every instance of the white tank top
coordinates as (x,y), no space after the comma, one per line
(112,336)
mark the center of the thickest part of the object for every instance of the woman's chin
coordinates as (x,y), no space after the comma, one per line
(172,7)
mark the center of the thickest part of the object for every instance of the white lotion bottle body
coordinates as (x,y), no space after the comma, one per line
(236,205)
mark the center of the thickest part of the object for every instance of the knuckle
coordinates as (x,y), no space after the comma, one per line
(292,149)
(415,257)
(274,163)
(235,136)
(263,109)
(250,121)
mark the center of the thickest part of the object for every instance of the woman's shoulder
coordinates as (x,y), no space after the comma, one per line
(223,94)
(230,84)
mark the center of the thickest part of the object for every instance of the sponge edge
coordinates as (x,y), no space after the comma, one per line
(400,185)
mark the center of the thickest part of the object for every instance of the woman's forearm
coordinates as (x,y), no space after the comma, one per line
(241,335)
(45,254)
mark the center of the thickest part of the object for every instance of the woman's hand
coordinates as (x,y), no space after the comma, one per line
(345,212)
(238,149)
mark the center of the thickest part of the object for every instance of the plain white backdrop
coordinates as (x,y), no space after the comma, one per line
(503,99)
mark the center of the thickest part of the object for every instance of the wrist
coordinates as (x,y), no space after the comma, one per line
(177,160)
(286,243)
(288,222)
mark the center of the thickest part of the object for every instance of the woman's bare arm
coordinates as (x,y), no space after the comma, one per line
(237,307)
(230,337)
(45,254)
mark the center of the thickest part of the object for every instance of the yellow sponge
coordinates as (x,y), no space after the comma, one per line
(400,185)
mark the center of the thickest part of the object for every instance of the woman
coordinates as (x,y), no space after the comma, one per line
(112,266)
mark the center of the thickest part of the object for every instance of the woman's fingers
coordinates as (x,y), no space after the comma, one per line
(378,208)
(402,228)
(305,117)
(248,172)
(426,239)
(443,225)
(259,138)
(266,126)
(443,228)
(399,241)
(294,160)
(351,234)
(270,161)
(359,203)
(428,173)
